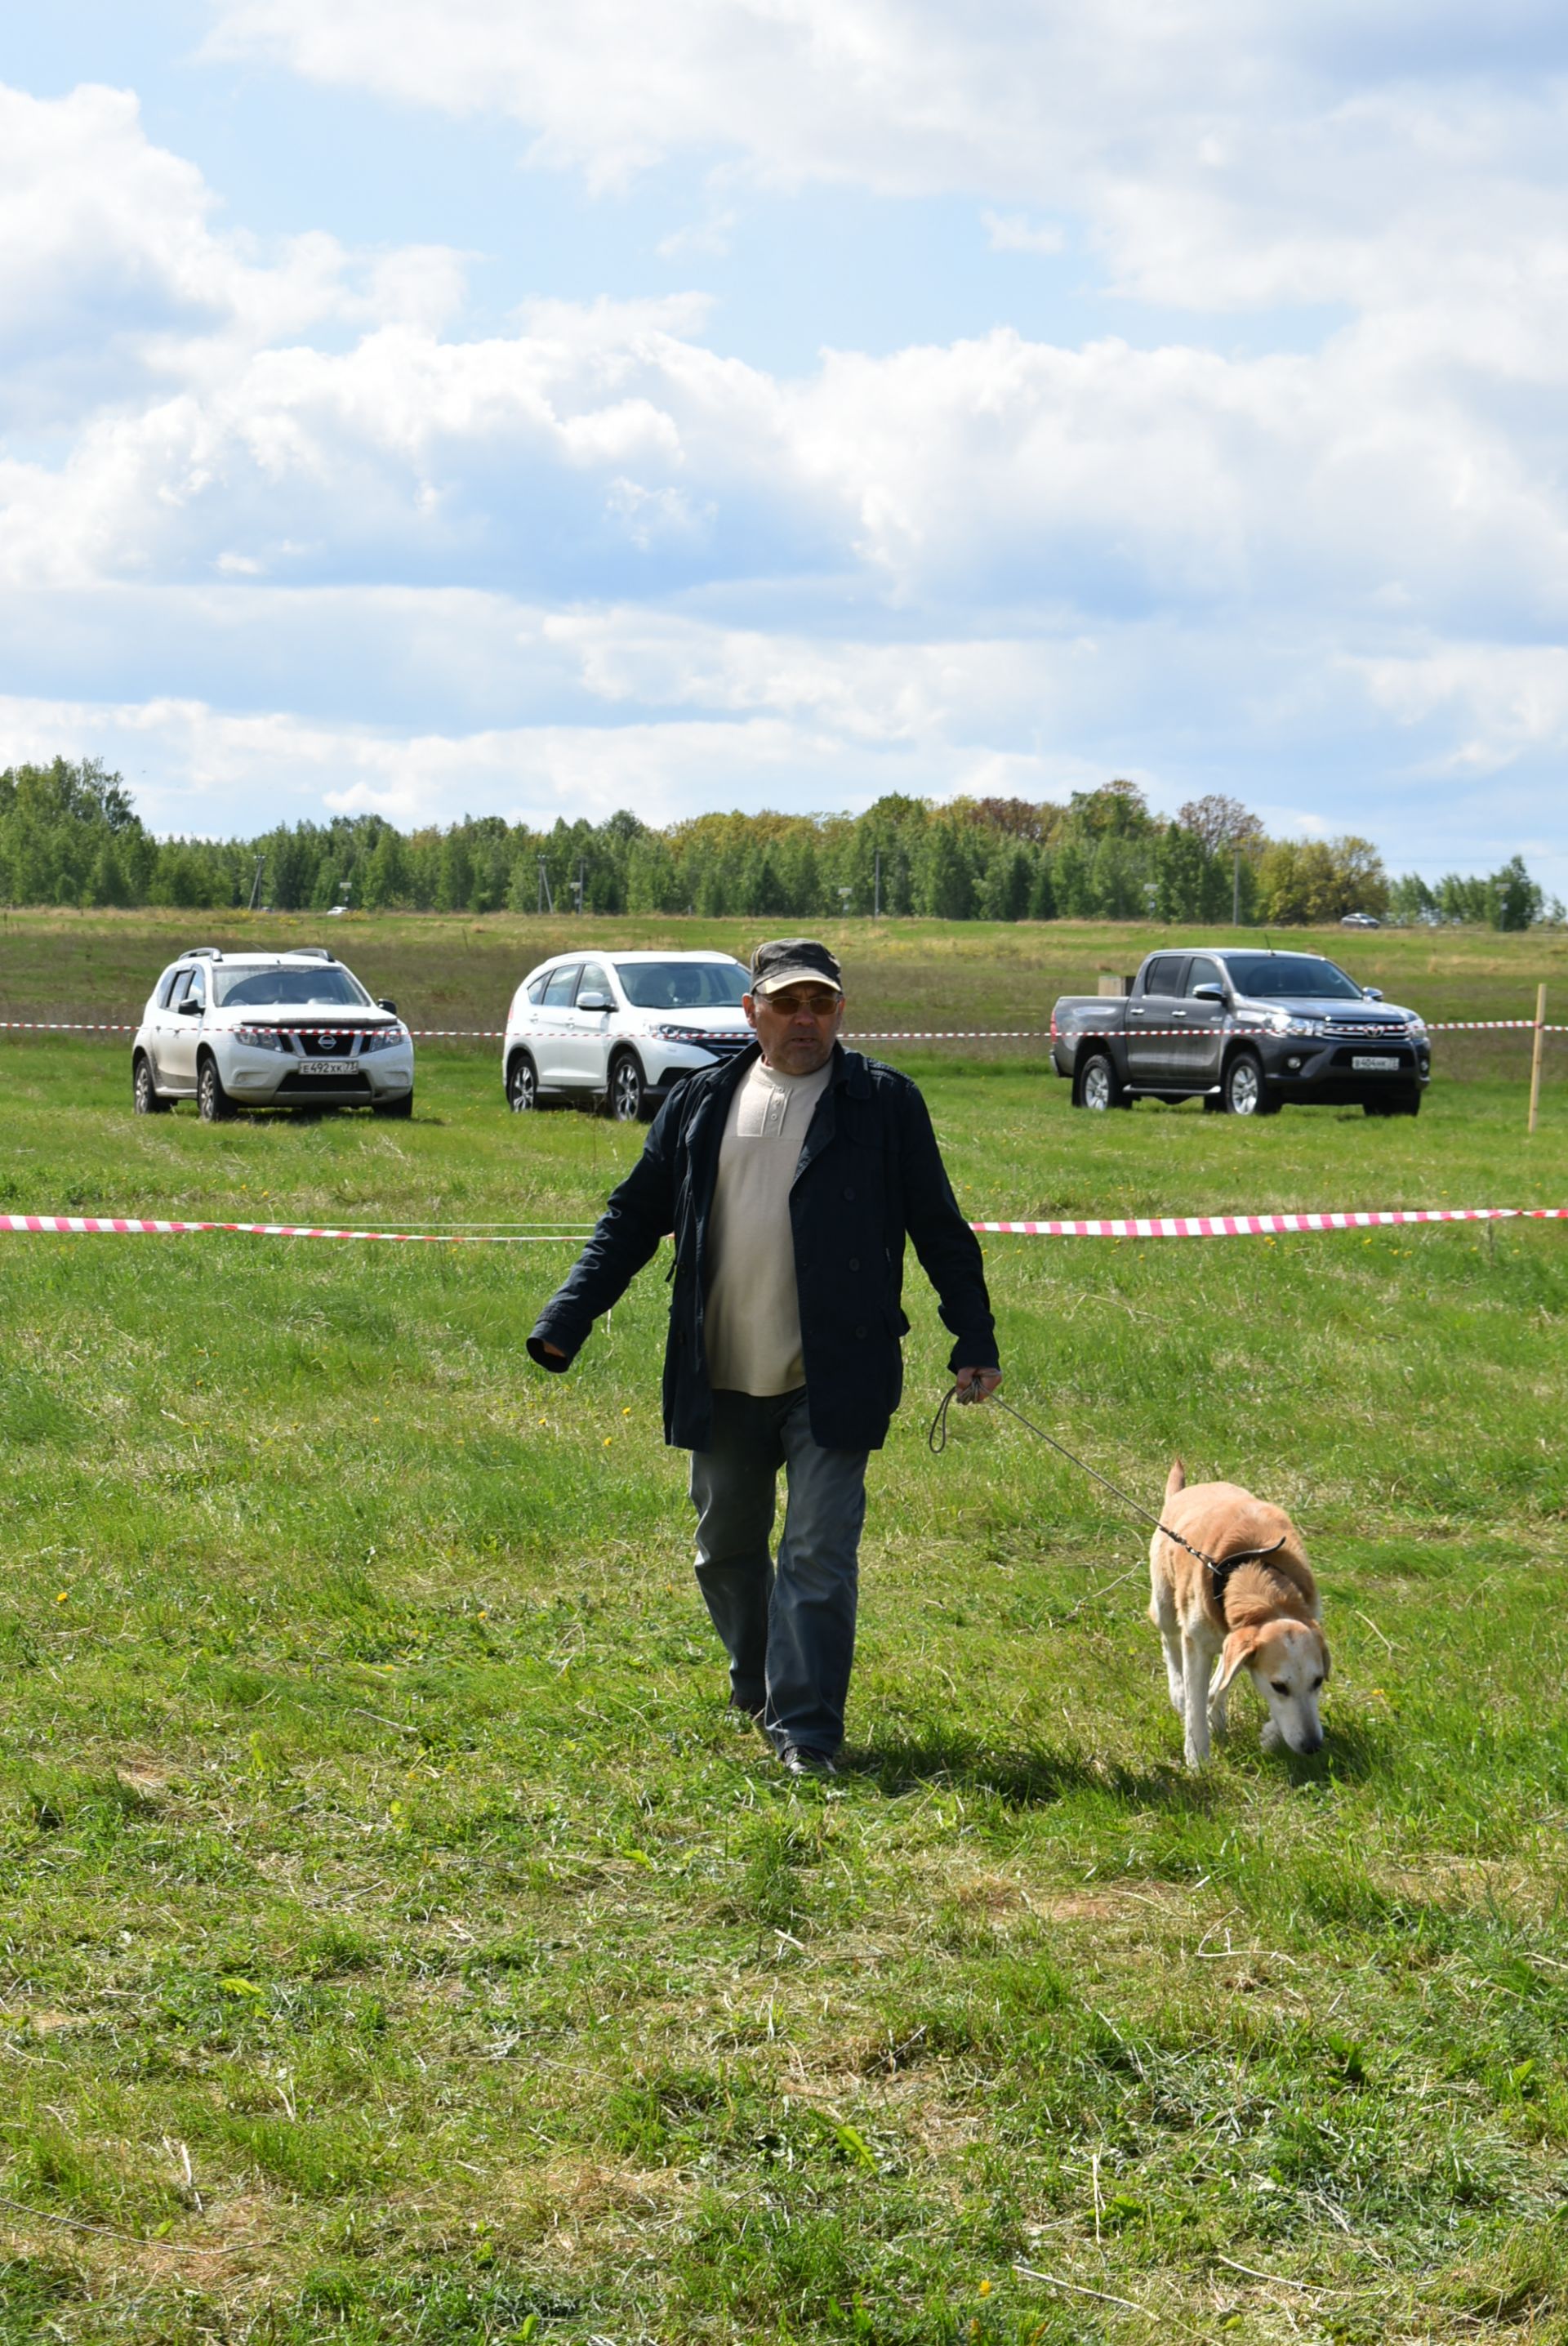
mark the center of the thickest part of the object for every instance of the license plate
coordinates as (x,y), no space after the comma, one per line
(346,1067)
(1365,1065)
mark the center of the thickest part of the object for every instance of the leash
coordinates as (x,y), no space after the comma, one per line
(1219,1567)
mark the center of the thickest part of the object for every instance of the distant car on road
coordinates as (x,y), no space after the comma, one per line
(268,1030)
(1244,1030)
(620,1028)
(1359,921)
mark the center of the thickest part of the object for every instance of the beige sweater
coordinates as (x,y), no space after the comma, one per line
(753,1318)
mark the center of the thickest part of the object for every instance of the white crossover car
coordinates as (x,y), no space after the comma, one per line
(621,1028)
(234,1030)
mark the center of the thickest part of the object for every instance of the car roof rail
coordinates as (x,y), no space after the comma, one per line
(201,953)
(312,953)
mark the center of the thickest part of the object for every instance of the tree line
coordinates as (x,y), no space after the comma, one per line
(70,835)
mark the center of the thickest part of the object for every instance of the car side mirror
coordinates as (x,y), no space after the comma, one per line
(1371,993)
(1208,994)
(189,1009)
(595,1001)
(391,1006)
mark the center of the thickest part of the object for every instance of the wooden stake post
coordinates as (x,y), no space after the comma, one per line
(1536,1053)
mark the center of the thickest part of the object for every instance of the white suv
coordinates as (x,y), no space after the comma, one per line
(268,1030)
(621,1028)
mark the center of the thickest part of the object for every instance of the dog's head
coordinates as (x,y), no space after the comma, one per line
(1288,1662)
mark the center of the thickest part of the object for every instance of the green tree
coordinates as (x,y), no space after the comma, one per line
(454,878)
(108,884)
(1120,881)
(1073,881)
(1181,869)
(1410,901)
(1516,900)
(1005,888)
(386,872)
(944,883)
(1042,891)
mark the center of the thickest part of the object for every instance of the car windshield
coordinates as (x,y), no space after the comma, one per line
(1286,976)
(290,988)
(683,985)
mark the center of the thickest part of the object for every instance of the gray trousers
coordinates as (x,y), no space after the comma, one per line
(788,1628)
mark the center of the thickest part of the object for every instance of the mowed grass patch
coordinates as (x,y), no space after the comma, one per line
(401,1945)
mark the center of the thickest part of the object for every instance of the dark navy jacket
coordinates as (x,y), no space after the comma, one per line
(870,1175)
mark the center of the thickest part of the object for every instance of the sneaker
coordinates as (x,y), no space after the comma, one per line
(797,1760)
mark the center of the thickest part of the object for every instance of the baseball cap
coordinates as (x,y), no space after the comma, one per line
(793,961)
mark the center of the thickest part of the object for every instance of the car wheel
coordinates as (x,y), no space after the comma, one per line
(213,1104)
(521,1086)
(626,1101)
(403,1107)
(1098,1086)
(1244,1091)
(145,1097)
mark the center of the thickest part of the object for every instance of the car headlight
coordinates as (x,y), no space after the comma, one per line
(700,1035)
(262,1039)
(1285,1022)
(1418,1027)
(385,1039)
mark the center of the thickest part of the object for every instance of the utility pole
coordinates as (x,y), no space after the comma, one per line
(546,901)
(581,881)
(1236,887)
(877,885)
(256,882)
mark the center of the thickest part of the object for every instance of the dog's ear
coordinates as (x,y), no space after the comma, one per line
(1176,1480)
(1233,1654)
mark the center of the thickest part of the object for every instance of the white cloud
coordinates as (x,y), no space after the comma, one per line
(712,237)
(1016,232)
(1497,703)
(953,477)
(114,281)
(1224,155)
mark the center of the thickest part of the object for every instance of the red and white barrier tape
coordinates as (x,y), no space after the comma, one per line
(1249,1226)
(130,1226)
(857,1035)
(1152,1226)
(1260,1033)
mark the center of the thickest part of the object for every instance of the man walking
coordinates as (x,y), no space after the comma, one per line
(790,1178)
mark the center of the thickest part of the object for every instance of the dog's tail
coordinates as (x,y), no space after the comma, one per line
(1176,1480)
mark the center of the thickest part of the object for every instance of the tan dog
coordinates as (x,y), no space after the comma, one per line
(1261,1614)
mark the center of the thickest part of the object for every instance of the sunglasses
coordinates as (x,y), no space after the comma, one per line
(817,1002)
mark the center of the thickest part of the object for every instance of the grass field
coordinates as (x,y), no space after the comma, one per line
(399,1946)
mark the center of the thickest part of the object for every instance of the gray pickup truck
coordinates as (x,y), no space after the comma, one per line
(1244,1030)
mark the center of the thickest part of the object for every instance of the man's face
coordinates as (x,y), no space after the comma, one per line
(797,1026)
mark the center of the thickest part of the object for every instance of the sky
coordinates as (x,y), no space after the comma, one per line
(684,404)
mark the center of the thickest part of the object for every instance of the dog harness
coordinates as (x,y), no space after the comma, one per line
(1219,1571)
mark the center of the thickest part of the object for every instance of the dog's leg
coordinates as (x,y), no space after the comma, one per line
(1194,1685)
(1163,1614)
(1218,1696)
(1171,1640)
